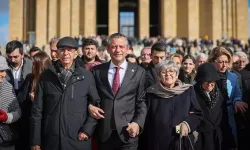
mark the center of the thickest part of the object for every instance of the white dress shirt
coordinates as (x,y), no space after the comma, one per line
(17,76)
(112,70)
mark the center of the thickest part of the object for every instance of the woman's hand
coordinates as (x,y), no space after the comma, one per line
(96,112)
(32,96)
(184,129)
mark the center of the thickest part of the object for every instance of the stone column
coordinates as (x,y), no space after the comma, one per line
(242,19)
(89,17)
(224,17)
(193,19)
(41,22)
(65,18)
(216,20)
(75,15)
(168,18)
(143,18)
(234,17)
(16,19)
(229,18)
(113,16)
(188,18)
(52,19)
(211,19)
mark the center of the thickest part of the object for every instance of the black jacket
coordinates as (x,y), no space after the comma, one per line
(151,76)
(58,115)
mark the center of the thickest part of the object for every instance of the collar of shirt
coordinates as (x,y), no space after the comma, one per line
(124,65)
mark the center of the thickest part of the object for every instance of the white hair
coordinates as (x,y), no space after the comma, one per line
(202,55)
(242,54)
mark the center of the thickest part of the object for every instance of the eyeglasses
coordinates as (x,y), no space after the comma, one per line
(165,72)
(64,49)
(222,62)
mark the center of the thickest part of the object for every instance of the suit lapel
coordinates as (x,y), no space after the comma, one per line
(104,78)
(128,75)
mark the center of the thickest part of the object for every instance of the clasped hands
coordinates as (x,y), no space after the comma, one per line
(97,113)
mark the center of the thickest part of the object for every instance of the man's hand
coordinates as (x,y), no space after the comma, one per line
(96,112)
(82,136)
(133,129)
(36,147)
(240,106)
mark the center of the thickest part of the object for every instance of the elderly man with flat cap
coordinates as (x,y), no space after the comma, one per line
(59,117)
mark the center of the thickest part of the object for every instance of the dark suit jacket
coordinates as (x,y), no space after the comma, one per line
(151,76)
(128,104)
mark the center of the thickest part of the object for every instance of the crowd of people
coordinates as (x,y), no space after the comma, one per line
(177,94)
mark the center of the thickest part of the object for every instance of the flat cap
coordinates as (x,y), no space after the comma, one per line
(67,42)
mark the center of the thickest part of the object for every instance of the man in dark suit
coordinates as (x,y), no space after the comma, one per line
(121,88)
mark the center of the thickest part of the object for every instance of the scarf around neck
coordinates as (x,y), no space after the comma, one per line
(164,92)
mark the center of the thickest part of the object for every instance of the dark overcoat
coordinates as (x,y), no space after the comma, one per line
(165,113)
(58,114)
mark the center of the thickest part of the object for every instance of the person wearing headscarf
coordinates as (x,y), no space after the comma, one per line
(172,104)
(213,105)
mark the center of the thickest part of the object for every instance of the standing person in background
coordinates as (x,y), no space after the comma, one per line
(10,111)
(145,57)
(41,61)
(200,59)
(33,51)
(229,87)
(158,54)
(177,58)
(187,71)
(122,109)
(90,57)
(53,50)
(20,67)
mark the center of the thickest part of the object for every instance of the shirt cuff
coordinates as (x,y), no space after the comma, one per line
(10,118)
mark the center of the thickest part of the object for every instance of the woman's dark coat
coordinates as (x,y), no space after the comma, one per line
(58,115)
(165,113)
(214,127)
(25,103)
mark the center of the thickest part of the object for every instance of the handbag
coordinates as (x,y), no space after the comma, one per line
(6,134)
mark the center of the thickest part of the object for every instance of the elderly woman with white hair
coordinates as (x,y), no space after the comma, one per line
(172,107)
(9,109)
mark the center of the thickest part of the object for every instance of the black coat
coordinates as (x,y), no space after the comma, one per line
(151,76)
(58,115)
(25,103)
(214,128)
(165,113)
(127,106)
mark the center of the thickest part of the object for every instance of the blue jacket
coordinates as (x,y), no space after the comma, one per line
(233,89)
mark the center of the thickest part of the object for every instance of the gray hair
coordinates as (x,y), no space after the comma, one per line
(53,41)
(117,35)
(201,55)
(168,63)
(242,54)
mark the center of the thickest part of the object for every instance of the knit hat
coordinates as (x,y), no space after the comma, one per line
(3,63)
(206,72)
(67,42)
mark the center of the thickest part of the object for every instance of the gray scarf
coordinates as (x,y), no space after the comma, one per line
(164,92)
